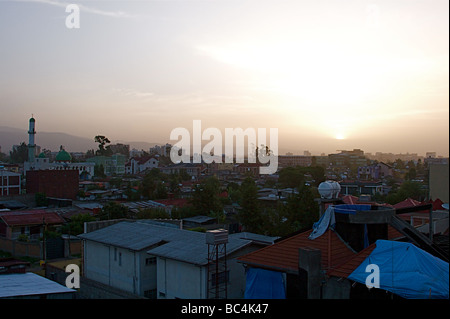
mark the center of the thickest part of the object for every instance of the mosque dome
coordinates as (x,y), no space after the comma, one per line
(63,156)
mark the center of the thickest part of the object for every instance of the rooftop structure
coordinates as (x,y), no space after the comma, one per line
(30,285)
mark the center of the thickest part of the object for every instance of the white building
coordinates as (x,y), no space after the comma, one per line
(161,262)
(63,159)
(137,165)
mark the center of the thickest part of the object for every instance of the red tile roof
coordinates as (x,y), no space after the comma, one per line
(283,255)
(346,268)
(178,202)
(34,217)
(409,202)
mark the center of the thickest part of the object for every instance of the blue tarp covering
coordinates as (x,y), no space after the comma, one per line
(264,284)
(327,219)
(406,270)
(350,209)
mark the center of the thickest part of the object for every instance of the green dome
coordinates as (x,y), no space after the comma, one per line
(42,155)
(63,156)
(32,119)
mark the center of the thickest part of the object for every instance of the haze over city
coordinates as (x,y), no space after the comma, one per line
(329,75)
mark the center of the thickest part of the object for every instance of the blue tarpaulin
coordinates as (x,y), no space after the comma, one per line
(406,270)
(327,220)
(264,284)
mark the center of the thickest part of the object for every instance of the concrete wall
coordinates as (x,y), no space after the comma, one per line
(176,279)
(438,182)
(118,267)
(89,289)
(18,248)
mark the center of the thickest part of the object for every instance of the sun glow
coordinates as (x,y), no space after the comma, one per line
(309,82)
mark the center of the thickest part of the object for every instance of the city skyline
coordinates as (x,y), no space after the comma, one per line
(329,75)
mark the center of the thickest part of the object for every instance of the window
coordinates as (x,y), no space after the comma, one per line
(120,259)
(150,261)
(115,254)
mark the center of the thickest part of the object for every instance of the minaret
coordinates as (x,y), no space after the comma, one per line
(31,145)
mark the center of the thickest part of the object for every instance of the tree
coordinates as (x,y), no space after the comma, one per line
(152,213)
(99,171)
(113,210)
(102,150)
(4,157)
(291,177)
(249,215)
(308,209)
(399,164)
(19,154)
(408,189)
(161,191)
(90,153)
(76,224)
(412,173)
(40,199)
(205,199)
(148,185)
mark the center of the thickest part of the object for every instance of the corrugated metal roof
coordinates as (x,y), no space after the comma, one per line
(129,235)
(33,217)
(178,244)
(15,285)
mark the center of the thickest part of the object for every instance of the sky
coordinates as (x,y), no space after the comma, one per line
(329,74)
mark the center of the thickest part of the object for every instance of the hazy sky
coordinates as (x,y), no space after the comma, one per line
(329,75)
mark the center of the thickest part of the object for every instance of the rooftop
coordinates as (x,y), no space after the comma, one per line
(283,255)
(30,217)
(28,284)
(183,245)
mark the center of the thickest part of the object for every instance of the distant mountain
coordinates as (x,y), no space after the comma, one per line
(10,136)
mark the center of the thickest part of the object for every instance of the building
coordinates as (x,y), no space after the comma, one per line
(63,159)
(163,150)
(10,183)
(375,171)
(294,160)
(112,165)
(192,169)
(438,182)
(138,165)
(61,184)
(32,286)
(247,169)
(356,187)
(160,262)
(31,145)
(327,261)
(348,158)
(30,223)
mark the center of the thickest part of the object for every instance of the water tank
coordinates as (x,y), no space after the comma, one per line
(218,236)
(329,189)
